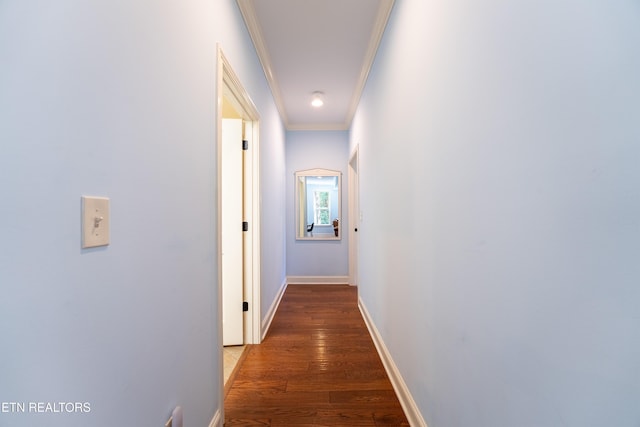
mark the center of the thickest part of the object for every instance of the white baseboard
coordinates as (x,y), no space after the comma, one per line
(216,421)
(266,322)
(404,395)
(318,280)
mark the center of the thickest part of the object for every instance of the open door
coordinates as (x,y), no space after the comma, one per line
(230,93)
(231,189)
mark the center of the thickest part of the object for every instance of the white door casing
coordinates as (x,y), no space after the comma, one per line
(354,217)
(229,88)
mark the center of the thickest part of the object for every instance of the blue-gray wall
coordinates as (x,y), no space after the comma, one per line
(499,147)
(310,150)
(118,99)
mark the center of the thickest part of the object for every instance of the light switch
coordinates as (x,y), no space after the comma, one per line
(95,221)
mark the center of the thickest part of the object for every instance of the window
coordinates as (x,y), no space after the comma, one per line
(321,208)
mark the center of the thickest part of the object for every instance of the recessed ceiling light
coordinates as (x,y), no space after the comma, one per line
(317,99)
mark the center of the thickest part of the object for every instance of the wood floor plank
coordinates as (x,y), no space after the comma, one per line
(317,367)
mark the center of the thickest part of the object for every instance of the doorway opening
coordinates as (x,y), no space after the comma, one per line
(238,215)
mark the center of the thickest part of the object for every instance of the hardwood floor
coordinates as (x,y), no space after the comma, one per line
(317,367)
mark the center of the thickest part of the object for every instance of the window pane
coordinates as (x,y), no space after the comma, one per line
(323,217)
(322,199)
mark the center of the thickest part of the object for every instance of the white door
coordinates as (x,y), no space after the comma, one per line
(231,232)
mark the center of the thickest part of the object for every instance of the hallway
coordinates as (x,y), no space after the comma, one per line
(317,366)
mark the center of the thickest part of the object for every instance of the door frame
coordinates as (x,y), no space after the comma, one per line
(353,169)
(228,85)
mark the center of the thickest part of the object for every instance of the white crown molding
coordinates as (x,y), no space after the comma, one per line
(253,26)
(384,12)
(255,32)
(319,126)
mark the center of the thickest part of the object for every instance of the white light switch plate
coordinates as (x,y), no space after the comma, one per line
(95,221)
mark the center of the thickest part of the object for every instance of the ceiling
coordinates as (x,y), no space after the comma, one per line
(316,45)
